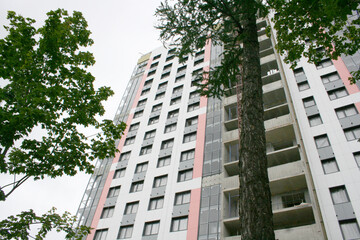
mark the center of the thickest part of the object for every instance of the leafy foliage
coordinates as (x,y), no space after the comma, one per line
(18,227)
(316,29)
(45,86)
(190,24)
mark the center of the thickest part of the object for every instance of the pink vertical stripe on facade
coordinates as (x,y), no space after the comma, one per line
(199,148)
(110,176)
(193,219)
(344,75)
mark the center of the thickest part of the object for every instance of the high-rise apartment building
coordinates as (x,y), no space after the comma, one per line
(176,174)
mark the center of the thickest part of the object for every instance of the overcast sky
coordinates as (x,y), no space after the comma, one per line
(123,30)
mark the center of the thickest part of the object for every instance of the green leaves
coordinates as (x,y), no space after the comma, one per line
(18,227)
(47,88)
(304,26)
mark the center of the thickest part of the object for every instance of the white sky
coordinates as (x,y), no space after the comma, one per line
(123,31)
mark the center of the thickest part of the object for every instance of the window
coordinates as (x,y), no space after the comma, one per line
(196,82)
(119,173)
(170,57)
(193,107)
(159,95)
(194,95)
(165,75)
(151,73)
(191,121)
(185,175)
(124,156)
(167,144)
(138,114)
(292,200)
(329,166)
(180,78)
(322,141)
(131,208)
(156,107)
(101,234)
(141,103)
(153,120)
(178,89)
(136,186)
(145,91)
(357,158)
(179,224)
(189,137)
(298,72)
(157,57)
(198,61)
(151,228)
(182,198)
(134,127)
(165,161)
(160,181)
(148,82)
(183,68)
(114,192)
(315,120)
(156,203)
(324,63)
(125,232)
(337,93)
(154,65)
(162,85)
(346,111)
(150,134)
(175,101)
(129,140)
(350,229)
(352,133)
(173,114)
(339,195)
(107,212)
(309,102)
(303,86)
(187,155)
(145,150)
(141,167)
(330,77)
(170,128)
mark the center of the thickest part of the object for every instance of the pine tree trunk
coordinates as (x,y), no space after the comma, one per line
(255,199)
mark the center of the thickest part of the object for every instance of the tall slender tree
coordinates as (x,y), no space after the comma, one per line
(189,24)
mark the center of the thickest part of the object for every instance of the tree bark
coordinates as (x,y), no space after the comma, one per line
(255,198)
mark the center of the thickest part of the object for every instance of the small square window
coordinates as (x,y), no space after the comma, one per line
(182,198)
(156,107)
(175,101)
(324,63)
(179,224)
(141,167)
(352,133)
(141,103)
(357,158)
(191,121)
(129,140)
(330,77)
(178,89)
(167,144)
(170,128)
(346,111)
(329,166)
(134,127)
(187,155)
(125,232)
(315,120)
(156,203)
(145,150)
(185,175)
(322,141)
(303,86)
(153,120)
(119,173)
(162,85)
(131,208)
(173,114)
(114,192)
(144,92)
(159,95)
(136,186)
(157,57)
(150,134)
(189,137)
(151,228)
(339,195)
(138,114)
(337,93)
(309,102)
(350,229)
(107,212)
(160,181)
(101,234)
(124,156)
(193,107)
(164,161)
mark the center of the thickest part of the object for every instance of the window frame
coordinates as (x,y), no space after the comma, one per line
(137,186)
(156,203)
(160,181)
(185,175)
